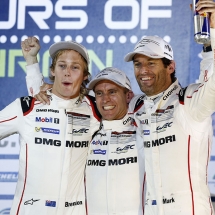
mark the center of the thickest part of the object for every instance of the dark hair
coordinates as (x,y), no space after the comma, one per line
(166,63)
(126,90)
(83,90)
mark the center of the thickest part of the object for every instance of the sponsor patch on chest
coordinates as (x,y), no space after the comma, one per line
(160,141)
(78,119)
(123,137)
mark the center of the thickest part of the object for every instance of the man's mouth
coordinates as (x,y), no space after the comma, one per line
(108,107)
(145,78)
(66,83)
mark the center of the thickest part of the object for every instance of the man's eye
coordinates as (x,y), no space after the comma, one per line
(112,92)
(137,64)
(98,93)
(75,67)
(151,63)
(62,66)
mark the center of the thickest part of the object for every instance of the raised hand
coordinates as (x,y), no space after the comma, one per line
(207,6)
(30,49)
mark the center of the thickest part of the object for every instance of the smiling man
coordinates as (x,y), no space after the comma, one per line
(115,163)
(176,126)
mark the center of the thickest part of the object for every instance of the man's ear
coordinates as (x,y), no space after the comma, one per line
(52,72)
(171,67)
(85,77)
(129,96)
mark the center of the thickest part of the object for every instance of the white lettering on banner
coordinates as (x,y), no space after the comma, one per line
(121,24)
(82,15)
(11,16)
(146,13)
(37,16)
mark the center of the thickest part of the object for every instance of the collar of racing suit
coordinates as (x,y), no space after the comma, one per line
(63,103)
(154,98)
(174,87)
(120,124)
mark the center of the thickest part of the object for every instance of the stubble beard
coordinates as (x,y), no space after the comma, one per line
(147,90)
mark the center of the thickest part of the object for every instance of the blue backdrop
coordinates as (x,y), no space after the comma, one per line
(108,29)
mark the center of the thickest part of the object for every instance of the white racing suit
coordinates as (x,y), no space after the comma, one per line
(176,127)
(115,170)
(54,142)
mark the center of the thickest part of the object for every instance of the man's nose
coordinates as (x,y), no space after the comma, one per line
(105,98)
(67,71)
(143,69)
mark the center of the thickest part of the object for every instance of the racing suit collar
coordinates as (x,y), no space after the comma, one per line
(154,98)
(66,104)
(118,125)
(165,94)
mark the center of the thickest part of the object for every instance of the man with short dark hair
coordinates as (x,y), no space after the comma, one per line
(175,124)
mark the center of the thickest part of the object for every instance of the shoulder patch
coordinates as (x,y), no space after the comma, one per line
(27,104)
(96,113)
(181,95)
(139,103)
